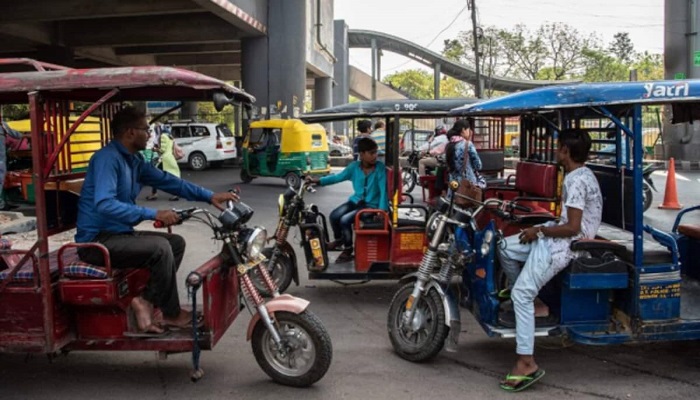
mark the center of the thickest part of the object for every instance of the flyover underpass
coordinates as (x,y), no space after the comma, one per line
(364,39)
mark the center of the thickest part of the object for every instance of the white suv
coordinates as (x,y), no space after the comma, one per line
(204,144)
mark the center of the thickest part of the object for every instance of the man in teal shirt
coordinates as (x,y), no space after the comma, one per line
(368,177)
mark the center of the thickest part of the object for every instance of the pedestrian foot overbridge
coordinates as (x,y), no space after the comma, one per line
(363,39)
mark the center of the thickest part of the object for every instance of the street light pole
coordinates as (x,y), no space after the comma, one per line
(477,67)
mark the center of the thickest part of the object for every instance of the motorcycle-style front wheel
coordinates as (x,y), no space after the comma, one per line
(426,335)
(306,351)
(408,179)
(281,273)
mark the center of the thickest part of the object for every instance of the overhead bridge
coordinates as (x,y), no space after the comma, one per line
(364,38)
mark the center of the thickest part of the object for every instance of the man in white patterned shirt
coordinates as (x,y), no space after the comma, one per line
(545,250)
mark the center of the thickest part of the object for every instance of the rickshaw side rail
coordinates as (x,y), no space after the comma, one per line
(173,342)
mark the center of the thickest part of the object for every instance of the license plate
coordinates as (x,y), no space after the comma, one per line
(229,143)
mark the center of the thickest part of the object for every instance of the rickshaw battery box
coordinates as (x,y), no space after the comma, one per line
(658,291)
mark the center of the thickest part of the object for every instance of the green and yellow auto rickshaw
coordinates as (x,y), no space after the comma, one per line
(286,148)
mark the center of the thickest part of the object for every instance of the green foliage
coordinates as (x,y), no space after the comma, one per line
(13,112)
(554,51)
(419,84)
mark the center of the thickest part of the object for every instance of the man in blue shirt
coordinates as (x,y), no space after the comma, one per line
(368,177)
(107,214)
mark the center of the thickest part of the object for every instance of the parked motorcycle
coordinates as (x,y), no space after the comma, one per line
(289,342)
(425,310)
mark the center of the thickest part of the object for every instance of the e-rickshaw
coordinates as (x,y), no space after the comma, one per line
(388,245)
(633,283)
(51,302)
(286,148)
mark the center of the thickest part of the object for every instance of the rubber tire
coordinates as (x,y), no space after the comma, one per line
(647,196)
(292,179)
(408,179)
(197,162)
(245,177)
(319,336)
(436,338)
(283,280)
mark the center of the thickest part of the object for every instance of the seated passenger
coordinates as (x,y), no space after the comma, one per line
(368,177)
(107,214)
(545,250)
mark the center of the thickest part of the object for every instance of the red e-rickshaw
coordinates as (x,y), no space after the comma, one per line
(52,302)
(388,245)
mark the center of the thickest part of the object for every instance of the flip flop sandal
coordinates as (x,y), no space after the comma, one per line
(504,294)
(344,257)
(523,381)
(146,333)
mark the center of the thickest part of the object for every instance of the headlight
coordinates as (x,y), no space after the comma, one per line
(488,236)
(485,249)
(280,203)
(256,242)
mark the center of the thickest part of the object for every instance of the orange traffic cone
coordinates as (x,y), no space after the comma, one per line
(671,195)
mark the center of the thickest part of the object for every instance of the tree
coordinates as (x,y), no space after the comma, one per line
(622,47)
(601,66)
(649,66)
(419,84)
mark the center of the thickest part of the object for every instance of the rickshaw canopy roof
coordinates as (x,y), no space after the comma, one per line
(586,95)
(296,136)
(134,83)
(290,125)
(387,108)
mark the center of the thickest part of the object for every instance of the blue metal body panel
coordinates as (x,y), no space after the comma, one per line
(586,95)
(643,305)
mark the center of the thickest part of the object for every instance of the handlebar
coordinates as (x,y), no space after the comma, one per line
(182,215)
(519,207)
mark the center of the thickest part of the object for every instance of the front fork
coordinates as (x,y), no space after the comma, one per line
(280,238)
(254,297)
(423,275)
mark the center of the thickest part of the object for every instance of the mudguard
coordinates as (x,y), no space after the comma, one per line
(450,304)
(283,302)
(288,250)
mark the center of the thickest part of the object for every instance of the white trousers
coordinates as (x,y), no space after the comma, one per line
(540,267)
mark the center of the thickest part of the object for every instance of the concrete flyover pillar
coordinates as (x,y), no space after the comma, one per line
(274,68)
(681,141)
(323,93)
(436,81)
(341,89)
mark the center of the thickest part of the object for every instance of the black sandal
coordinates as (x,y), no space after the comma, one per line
(345,256)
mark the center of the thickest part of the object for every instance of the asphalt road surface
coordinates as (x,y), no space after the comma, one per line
(364,366)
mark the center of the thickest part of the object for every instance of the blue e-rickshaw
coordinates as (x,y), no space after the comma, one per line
(633,283)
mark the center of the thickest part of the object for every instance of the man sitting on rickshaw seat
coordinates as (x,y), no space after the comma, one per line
(107,214)
(546,250)
(368,177)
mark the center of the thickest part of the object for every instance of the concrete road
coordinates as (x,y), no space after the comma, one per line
(364,366)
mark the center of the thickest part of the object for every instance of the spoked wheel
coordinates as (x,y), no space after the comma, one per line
(408,178)
(292,179)
(306,351)
(425,336)
(281,273)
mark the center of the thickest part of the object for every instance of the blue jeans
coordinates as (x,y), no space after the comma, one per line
(342,219)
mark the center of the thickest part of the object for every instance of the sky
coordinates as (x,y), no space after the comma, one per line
(429,23)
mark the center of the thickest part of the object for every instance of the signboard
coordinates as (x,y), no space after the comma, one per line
(157,107)
(679,75)
(696,58)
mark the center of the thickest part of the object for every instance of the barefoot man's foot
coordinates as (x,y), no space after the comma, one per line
(143,312)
